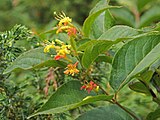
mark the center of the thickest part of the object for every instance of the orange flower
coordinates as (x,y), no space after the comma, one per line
(58,57)
(71,69)
(72,31)
(62,28)
(90,86)
(65,24)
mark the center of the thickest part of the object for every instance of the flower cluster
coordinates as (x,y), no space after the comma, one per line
(61,49)
(65,25)
(71,69)
(90,86)
(49,46)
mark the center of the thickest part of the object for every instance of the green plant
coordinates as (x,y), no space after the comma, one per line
(76,57)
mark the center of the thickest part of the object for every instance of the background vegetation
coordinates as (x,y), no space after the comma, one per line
(21,93)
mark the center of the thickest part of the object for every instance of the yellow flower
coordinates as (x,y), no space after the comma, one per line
(59,42)
(63,28)
(65,25)
(61,50)
(63,20)
(48,47)
(71,69)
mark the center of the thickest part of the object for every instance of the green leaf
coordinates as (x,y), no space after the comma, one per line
(139,87)
(101,4)
(84,45)
(156,81)
(133,58)
(155,65)
(53,31)
(104,58)
(32,59)
(119,15)
(118,32)
(67,97)
(91,99)
(94,48)
(91,18)
(154,115)
(102,23)
(73,44)
(51,63)
(157,27)
(150,16)
(146,76)
(112,112)
(141,4)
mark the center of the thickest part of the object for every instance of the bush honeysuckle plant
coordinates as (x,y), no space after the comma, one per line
(132,56)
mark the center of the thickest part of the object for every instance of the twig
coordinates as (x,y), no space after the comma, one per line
(115,102)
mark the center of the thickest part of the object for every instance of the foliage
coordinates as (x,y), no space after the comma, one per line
(89,68)
(38,15)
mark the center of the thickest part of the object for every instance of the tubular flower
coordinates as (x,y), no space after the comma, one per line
(63,20)
(58,57)
(65,25)
(62,51)
(71,69)
(72,31)
(48,47)
(62,28)
(90,86)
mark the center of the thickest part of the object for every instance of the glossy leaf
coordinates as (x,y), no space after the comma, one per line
(112,112)
(32,59)
(133,58)
(118,32)
(139,87)
(67,97)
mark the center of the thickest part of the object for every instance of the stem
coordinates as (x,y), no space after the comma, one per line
(73,44)
(115,102)
(74,47)
(101,88)
(137,16)
(135,117)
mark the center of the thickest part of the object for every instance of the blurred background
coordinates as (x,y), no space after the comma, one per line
(37,14)
(21,93)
